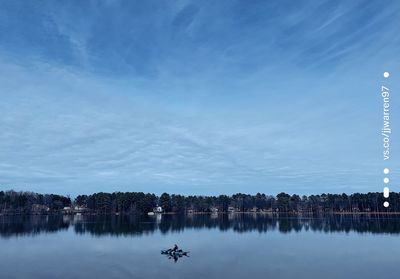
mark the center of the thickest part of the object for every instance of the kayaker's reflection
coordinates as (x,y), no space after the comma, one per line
(174,257)
(175,253)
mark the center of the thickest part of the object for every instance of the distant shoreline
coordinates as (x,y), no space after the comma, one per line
(280,214)
(136,203)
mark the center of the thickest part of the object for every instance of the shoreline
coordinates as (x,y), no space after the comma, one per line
(205,213)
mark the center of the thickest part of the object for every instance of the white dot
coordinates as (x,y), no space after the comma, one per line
(386,204)
(386,180)
(386,74)
(385,170)
(386,192)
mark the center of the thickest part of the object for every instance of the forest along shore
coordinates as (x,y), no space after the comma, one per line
(12,202)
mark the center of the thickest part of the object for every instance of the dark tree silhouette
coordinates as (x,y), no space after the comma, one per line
(12,202)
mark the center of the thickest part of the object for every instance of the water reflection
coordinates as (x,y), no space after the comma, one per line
(175,257)
(240,223)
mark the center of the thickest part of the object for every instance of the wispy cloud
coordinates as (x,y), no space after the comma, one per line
(194,97)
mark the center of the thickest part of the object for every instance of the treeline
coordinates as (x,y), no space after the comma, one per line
(140,202)
(12,202)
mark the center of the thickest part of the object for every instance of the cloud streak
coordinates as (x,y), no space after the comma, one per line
(189,97)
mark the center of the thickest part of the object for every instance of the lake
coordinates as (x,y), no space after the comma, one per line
(221,246)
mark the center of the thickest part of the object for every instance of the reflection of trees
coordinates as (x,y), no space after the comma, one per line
(240,223)
(31,225)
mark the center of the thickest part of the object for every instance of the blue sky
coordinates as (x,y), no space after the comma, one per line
(197,97)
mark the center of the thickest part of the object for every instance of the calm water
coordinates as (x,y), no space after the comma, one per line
(223,246)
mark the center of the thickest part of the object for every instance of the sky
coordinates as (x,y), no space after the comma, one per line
(197,97)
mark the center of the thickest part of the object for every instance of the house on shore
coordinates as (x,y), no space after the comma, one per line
(67,210)
(39,209)
(214,210)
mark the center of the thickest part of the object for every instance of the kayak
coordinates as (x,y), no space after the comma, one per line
(174,253)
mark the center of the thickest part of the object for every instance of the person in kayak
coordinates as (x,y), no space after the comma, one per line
(175,248)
